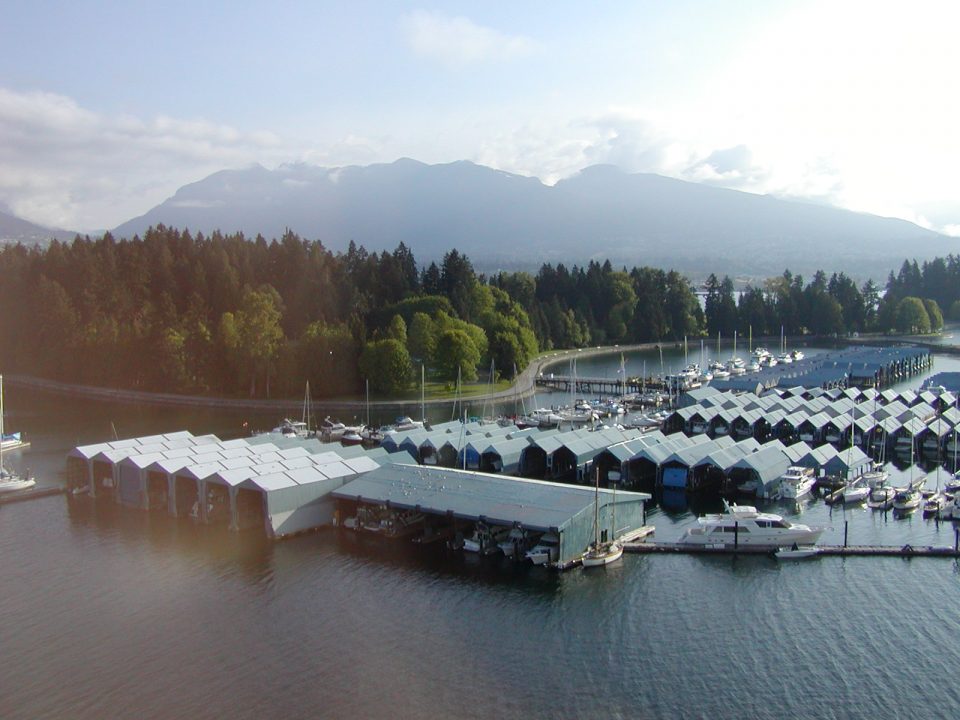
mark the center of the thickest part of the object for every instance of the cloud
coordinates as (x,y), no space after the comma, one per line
(65,166)
(459,40)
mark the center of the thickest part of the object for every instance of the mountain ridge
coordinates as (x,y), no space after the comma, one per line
(496,217)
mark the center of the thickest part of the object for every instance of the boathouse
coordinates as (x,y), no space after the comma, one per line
(443,501)
(760,472)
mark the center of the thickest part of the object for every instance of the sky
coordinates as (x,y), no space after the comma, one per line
(107,108)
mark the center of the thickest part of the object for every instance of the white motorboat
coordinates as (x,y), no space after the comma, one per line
(11,481)
(485,539)
(402,424)
(796,552)
(745,525)
(796,482)
(797,355)
(856,491)
(513,539)
(288,428)
(546,551)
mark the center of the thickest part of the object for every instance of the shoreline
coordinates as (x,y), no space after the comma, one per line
(523,386)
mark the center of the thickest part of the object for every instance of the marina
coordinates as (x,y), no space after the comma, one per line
(194,592)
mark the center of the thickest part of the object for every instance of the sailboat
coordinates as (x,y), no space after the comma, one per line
(857,489)
(909,498)
(9,480)
(937,502)
(603,552)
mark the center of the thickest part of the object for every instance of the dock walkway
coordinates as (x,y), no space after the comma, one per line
(907,551)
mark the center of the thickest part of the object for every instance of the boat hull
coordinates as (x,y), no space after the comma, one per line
(15,485)
(603,555)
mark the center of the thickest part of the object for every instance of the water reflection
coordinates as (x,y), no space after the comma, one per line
(249,554)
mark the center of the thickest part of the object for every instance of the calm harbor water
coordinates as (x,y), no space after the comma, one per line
(112,613)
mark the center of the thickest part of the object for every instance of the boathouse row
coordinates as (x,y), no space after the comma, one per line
(286,486)
(927,421)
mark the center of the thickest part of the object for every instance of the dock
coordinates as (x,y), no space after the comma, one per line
(903,551)
(31,494)
(594,386)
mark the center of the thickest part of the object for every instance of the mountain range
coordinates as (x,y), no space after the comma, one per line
(503,220)
(499,219)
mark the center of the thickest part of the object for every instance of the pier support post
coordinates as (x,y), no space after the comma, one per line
(846,528)
(736,535)
(956,539)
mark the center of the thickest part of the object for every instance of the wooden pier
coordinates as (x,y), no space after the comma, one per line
(904,551)
(604,387)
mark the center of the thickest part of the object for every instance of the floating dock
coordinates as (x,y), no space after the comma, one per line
(903,551)
(31,494)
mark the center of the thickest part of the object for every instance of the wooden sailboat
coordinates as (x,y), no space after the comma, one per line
(603,552)
(9,480)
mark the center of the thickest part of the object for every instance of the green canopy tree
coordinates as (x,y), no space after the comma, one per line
(912,317)
(254,333)
(386,363)
(397,330)
(422,337)
(456,350)
(933,312)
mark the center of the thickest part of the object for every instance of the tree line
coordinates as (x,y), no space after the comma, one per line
(910,303)
(228,315)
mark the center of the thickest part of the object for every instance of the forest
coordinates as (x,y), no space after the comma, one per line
(232,316)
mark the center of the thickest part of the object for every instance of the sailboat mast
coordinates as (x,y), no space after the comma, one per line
(613,515)
(1,423)
(596,509)
(423,413)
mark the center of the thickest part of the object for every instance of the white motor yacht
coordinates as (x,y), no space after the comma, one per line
(745,525)
(796,482)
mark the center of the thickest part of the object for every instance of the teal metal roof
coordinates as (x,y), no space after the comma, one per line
(534,504)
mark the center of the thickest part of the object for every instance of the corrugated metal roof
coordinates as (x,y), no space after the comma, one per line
(769,463)
(535,504)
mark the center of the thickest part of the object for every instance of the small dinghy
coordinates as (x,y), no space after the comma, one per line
(796,552)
